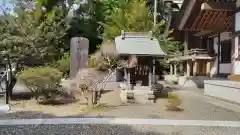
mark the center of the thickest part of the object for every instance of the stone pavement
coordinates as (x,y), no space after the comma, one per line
(87,129)
(198,94)
(98,126)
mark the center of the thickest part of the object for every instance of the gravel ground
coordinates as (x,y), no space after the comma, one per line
(195,108)
(199,112)
(114,130)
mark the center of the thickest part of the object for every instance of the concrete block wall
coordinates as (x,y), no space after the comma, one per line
(223,89)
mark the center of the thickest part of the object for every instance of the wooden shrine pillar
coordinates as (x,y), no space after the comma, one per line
(208,68)
(175,68)
(188,69)
(171,69)
(151,73)
(181,67)
(185,41)
(195,68)
(218,54)
(150,77)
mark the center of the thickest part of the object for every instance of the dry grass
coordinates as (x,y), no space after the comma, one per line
(174,103)
(69,108)
(60,108)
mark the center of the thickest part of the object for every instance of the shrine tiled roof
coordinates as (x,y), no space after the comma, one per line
(138,44)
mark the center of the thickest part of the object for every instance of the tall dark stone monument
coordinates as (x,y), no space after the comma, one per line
(78,55)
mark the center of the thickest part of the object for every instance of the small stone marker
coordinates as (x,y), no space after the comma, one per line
(78,55)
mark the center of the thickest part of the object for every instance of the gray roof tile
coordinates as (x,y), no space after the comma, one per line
(138,45)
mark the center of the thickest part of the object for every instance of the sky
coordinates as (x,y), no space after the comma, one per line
(5,3)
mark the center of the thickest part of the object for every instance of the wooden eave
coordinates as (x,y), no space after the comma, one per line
(217,21)
(202,15)
(217,6)
(204,33)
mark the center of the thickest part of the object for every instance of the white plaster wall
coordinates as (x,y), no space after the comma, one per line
(228,90)
(236,67)
(213,70)
(226,67)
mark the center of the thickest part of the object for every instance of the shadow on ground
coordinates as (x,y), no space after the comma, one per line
(35,115)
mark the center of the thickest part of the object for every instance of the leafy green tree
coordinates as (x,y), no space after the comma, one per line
(24,38)
(31,38)
(133,16)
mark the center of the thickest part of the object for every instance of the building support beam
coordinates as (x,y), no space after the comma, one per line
(181,67)
(208,68)
(218,54)
(187,14)
(129,79)
(195,65)
(185,41)
(188,69)
(150,77)
(202,33)
(175,68)
(217,6)
(171,69)
(125,74)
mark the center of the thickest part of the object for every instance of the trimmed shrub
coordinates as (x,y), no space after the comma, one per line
(63,65)
(43,82)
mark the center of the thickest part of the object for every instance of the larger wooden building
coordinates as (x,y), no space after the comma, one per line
(209,30)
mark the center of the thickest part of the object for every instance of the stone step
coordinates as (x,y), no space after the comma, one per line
(141,88)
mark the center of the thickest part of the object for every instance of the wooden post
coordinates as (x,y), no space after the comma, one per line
(188,69)
(181,67)
(185,41)
(150,76)
(208,68)
(125,74)
(195,65)
(153,72)
(129,79)
(7,84)
(219,54)
(171,69)
(175,68)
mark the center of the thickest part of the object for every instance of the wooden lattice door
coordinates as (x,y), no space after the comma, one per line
(141,71)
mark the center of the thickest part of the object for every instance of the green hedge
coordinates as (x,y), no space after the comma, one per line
(43,82)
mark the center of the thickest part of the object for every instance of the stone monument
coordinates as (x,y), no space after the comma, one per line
(78,55)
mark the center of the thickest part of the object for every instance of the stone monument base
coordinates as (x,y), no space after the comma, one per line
(137,96)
